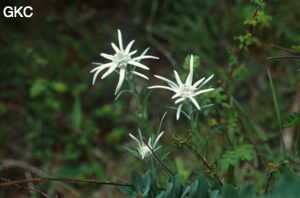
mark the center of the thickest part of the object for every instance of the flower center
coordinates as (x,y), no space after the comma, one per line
(144,151)
(121,59)
(186,91)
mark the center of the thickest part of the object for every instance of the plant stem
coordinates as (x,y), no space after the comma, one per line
(40,179)
(276,106)
(269,182)
(141,115)
(203,160)
(157,158)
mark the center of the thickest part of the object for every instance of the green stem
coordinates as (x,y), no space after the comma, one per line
(276,106)
(204,161)
(141,114)
(165,167)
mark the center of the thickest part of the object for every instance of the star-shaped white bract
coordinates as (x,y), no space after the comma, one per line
(120,61)
(184,91)
(143,150)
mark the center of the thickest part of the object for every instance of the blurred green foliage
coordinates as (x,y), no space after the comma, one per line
(53,118)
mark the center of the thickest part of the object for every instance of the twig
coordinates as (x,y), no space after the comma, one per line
(39,179)
(11,163)
(163,50)
(199,156)
(28,188)
(283,57)
(157,158)
(269,182)
(284,49)
(64,179)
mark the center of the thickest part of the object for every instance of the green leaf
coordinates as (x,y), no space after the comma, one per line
(296,48)
(245,152)
(231,157)
(185,192)
(127,190)
(193,189)
(169,192)
(137,182)
(186,63)
(38,87)
(298,142)
(161,195)
(176,186)
(291,120)
(59,87)
(248,192)
(274,99)
(228,158)
(199,188)
(229,192)
(76,114)
(215,194)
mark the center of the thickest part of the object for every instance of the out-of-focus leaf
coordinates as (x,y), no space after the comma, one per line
(137,182)
(186,63)
(127,190)
(76,114)
(291,120)
(59,87)
(38,87)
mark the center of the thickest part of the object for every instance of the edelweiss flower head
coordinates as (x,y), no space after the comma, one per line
(120,61)
(143,150)
(184,91)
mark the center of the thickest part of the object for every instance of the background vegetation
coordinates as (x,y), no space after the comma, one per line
(54,123)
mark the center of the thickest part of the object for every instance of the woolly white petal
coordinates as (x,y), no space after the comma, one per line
(206,81)
(178,112)
(195,102)
(149,142)
(97,72)
(117,50)
(166,80)
(144,57)
(140,75)
(145,51)
(177,78)
(133,52)
(121,80)
(101,67)
(109,71)
(176,95)
(198,82)
(158,137)
(133,137)
(179,100)
(127,50)
(161,87)
(107,56)
(141,137)
(190,76)
(203,91)
(138,65)
(120,40)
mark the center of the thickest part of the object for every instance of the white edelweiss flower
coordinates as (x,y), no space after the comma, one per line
(119,61)
(142,148)
(184,91)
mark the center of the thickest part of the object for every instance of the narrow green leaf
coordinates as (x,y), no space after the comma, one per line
(274,99)
(277,113)
(298,141)
(76,114)
(137,182)
(229,192)
(291,120)
(127,190)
